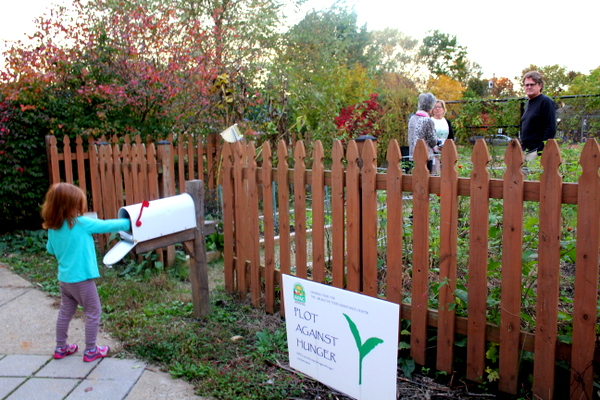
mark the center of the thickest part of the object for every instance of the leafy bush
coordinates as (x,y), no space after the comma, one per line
(23,167)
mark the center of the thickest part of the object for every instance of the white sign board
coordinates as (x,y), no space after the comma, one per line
(345,340)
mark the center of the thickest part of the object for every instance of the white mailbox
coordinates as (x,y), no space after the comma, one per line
(153,219)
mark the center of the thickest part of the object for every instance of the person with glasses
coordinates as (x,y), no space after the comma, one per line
(443,131)
(443,127)
(538,123)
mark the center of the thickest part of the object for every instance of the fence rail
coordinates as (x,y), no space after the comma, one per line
(353,183)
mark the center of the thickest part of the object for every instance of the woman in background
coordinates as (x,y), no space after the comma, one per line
(443,127)
(443,131)
(421,126)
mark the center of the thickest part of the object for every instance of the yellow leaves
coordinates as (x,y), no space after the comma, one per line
(445,88)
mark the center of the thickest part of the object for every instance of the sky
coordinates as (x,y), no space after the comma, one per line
(503,37)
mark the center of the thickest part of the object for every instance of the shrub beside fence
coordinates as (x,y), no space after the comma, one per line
(353,182)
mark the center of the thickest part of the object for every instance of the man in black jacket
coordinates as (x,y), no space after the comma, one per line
(538,122)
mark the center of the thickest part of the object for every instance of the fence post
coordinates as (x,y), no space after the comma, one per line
(166,185)
(198,264)
(166,182)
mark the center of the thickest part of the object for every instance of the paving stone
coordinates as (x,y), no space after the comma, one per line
(118,369)
(10,279)
(93,389)
(21,365)
(69,367)
(7,385)
(44,389)
(11,294)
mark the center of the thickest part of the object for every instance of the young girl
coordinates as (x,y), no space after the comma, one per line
(70,240)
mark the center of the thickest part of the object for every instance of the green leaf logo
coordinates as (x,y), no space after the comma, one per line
(363,348)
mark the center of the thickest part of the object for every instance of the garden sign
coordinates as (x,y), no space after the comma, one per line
(345,340)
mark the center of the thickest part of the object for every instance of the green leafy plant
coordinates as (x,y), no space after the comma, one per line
(269,344)
(215,241)
(23,167)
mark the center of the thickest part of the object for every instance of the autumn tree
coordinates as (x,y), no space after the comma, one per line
(501,88)
(445,88)
(323,67)
(111,67)
(398,100)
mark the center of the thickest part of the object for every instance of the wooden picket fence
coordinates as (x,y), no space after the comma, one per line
(119,171)
(254,265)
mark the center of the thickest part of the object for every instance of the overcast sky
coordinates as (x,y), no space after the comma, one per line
(504,37)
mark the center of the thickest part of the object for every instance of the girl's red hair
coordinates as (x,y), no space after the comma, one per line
(64,202)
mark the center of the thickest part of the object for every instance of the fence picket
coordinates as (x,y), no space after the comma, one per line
(548,273)
(126,165)
(448,249)
(95,181)
(269,229)
(253,229)
(300,209)
(283,208)
(152,180)
(394,223)
(478,259)
(353,218)
(283,197)
(241,217)
(512,262)
(318,214)
(53,159)
(143,168)
(190,157)
(164,156)
(337,215)
(138,194)
(80,164)
(420,261)
(181,162)
(228,218)
(68,159)
(117,174)
(368,219)
(108,196)
(200,168)
(586,274)
(211,156)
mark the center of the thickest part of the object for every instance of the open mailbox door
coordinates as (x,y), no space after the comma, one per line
(153,219)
